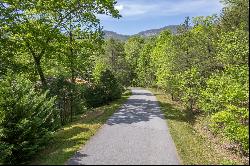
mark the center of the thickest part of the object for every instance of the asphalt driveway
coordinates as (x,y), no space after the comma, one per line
(137,134)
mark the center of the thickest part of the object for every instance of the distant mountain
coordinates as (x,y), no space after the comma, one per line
(111,34)
(153,32)
(147,33)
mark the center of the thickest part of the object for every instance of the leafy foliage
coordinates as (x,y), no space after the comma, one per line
(132,50)
(55,45)
(205,67)
(27,119)
(144,69)
(106,89)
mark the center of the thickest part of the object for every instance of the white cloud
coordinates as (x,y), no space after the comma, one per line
(192,7)
(137,9)
(166,7)
(119,7)
(132,9)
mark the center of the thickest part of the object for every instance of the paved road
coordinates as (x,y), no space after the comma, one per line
(137,134)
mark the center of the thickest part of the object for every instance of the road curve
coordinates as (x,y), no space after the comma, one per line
(137,134)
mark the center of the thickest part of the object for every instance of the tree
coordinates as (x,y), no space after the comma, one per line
(133,48)
(114,60)
(235,14)
(37,25)
(27,119)
(144,71)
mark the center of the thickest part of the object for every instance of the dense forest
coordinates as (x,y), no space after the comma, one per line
(55,63)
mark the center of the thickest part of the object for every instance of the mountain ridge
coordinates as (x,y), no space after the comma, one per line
(147,33)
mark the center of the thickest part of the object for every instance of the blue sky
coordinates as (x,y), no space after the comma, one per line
(139,15)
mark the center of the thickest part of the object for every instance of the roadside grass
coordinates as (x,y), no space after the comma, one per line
(193,148)
(70,138)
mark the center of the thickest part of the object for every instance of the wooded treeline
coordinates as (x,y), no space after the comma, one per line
(48,56)
(55,64)
(205,67)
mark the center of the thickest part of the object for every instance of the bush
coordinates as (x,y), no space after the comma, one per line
(27,119)
(106,89)
(79,101)
(110,85)
(226,97)
(232,123)
(190,87)
(61,88)
(94,96)
(70,99)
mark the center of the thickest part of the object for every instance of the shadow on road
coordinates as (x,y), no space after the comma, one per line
(136,110)
(144,94)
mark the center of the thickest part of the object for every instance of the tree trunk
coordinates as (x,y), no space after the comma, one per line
(172,96)
(37,59)
(71,56)
(40,71)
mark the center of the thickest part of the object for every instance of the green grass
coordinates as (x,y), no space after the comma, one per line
(70,138)
(192,147)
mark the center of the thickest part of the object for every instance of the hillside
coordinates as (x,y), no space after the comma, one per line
(111,34)
(147,33)
(152,32)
